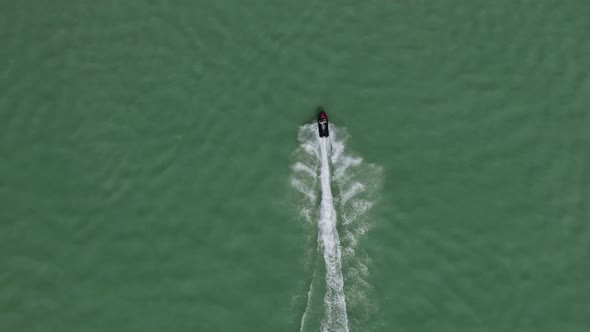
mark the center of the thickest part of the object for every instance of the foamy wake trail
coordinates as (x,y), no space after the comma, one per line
(355,183)
(336,318)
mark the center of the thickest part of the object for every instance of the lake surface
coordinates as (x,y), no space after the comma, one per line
(148,152)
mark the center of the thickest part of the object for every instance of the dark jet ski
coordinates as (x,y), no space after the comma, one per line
(323,123)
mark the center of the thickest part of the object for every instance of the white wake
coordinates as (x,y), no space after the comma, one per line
(318,162)
(336,318)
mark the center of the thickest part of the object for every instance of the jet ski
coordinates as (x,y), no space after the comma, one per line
(323,123)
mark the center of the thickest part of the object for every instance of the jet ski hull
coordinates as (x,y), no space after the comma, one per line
(323,123)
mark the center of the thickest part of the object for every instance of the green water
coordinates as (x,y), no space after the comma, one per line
(146,149)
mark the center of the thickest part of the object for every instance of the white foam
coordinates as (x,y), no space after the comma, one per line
(336,318)
(302,326)
(319,161)
(302,188)
(354,189)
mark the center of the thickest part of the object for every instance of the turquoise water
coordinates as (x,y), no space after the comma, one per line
(148,152)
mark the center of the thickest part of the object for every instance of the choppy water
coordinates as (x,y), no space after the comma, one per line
(147,153)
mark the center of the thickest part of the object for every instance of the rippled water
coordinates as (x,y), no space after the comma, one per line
(146,150)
